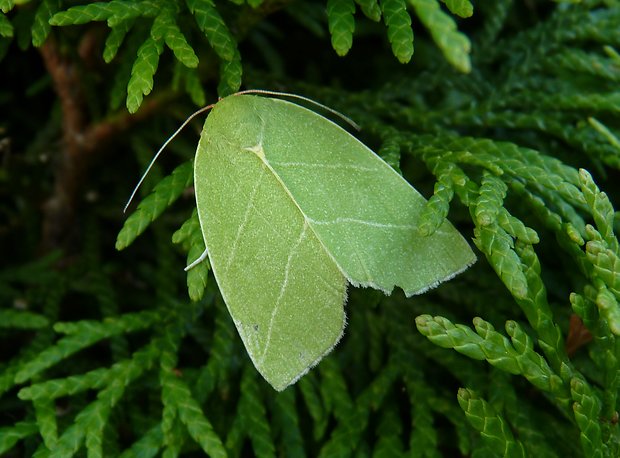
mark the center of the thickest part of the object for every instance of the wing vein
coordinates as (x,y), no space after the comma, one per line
(246,218)
(358,168)
(287,270)
(341,220)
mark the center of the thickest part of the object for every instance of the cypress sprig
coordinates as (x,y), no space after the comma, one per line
(21,319)
(334,391)
(398,23)
(193,418)
(90,422)
(517,357)
(524,421)
(341,24)
(45,413)
(221,351)
(148,445)
(173,435)
(10,435)
(602,211)
(213,26)
(165,193)
(371,9)
(454,45)
(254,415)
(587,409)
(80,335)
(492,426)
(497,245)
(56,388)
(389,432)
(487,206)
(499,126)
(115,39)
(190,236)
(350,428)
(314,404)
(439,204)
(287,420)
(423,440)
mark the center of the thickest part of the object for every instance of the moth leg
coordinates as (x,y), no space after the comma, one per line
(202,257)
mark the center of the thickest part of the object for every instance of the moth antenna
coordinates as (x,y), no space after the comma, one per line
(305,99)
(202,257)
(161,149)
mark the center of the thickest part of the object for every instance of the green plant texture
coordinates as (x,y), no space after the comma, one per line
(504,114)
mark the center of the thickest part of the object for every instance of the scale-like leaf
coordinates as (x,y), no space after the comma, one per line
(341,24)
(142,72)
(454,44)
(399,31)
(211,23)
(463,8)
(6,28)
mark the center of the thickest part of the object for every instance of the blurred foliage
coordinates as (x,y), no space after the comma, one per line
(495,113)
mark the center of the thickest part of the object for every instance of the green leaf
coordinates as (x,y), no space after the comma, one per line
(166,27)
(90,422)
(312,400)
(462,8)
(142,72)
(20,319)
(497,245)
(515,227)
(423,440)
(230,76)
(437,206)
(194,88)
(6,28)
(83,334)
(587,415)
(287,419)
(198,426)
(213,26)
(252,411)
(10,435)
(341,24)
(147,446)
(114,12)
(400,33)
(6,5)
(349,433)
(115,39)
(370,8)
(389,432)
(45,411)
(491,197)
(454,44)
(515,357)
(41,25)
(492,426)
(601,208)
(609,308)
(197,277)
(165,193)
(56,388)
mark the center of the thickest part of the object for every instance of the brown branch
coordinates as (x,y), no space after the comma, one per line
(81,144)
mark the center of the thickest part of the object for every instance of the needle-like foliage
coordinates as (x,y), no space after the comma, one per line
(506,119)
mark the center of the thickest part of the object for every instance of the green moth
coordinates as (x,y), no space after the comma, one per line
(292,208)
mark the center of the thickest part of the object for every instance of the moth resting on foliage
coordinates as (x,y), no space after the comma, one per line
(292,208)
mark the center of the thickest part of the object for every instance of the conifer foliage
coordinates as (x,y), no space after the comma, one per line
(505,114)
